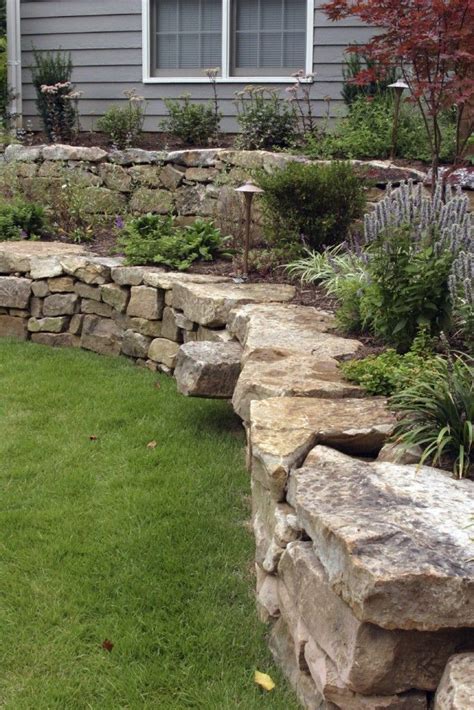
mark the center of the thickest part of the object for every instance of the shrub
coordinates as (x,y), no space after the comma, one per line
(308,205)
(194,124)
(152,239)
(124,125)
(56,99)
(437,413)
(266,121)
(366,132)
(390,372)
(21,219)
(353,90)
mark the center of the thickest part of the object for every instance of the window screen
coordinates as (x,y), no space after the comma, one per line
(269,37)
(186,36)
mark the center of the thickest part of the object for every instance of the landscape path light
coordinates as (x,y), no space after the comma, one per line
(248,190)
(399,87)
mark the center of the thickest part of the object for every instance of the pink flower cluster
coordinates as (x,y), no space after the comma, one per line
(55,88)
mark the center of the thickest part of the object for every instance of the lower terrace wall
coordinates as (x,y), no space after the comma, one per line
(365,567)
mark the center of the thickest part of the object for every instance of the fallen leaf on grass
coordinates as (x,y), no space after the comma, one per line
(107,645)
(93,438)
(264,681)
(157,385)
(151,445)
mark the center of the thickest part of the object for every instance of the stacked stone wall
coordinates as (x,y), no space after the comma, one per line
(364,566)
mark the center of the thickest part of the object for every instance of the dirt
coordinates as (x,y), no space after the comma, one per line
(146,141)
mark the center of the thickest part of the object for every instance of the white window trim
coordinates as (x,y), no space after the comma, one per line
(225,78)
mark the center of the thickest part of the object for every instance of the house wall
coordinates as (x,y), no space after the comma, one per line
(105,40)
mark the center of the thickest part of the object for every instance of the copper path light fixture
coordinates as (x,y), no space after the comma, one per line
(248,189)
(399,87)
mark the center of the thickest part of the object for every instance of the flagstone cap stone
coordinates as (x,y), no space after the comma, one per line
(208,369)
(394,540)
(285,329)
(284,429)
(293,376)
(210,304)
(159,278)
(18,256)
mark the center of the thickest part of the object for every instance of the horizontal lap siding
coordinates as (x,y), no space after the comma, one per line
(104,37)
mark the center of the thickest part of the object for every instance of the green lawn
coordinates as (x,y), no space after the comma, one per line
(107,539)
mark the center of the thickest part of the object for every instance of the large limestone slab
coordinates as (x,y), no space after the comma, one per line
(299,375)
(145,302)
(168,279)
(17,256)
(102,335)
(366,658)
(208,369)
(282,330)
(456,690)
(13,327)
(92,270)
(14,292)
(210,304)
(284,429)
(394,540)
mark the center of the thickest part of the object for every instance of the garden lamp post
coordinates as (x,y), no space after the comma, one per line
(248,189)
(399,87)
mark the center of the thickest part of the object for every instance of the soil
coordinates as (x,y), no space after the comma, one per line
(146,141)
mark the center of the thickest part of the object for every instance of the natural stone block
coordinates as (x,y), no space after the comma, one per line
(169,327)
(394,540)
(135,156)
(208,369)
(145,302)
(268,604)
(198,200)
(199,158)
(210,304)
(18,256)
(163,351)
(61,284)
(101,200)
(36,307)
(167,280)
(189,336)
(200,174)
(56,340)
(145,200)
(60,304)
(284,429)
(286,329)
(14,292)
(48,325)
(115,177)
(301,375)
(128,275)
(115,296)
(40,288)
(395,453)
(221,335)
(456,690)
(102,335)
(171,178)
(91,270)
(13,327)
(96,307)
(182,322)
(366,658)
(45,267)
(85,291)
(20,153)
(75,325)
(150,328)
(135,344)
(72,152)
(145,175)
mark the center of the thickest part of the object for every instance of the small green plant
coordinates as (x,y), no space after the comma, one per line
(56,98)
(20,219)
(266,121)
(153,239)
(309,205)
(192,123)
(437,413)
(124,125)
(353,90)
(390,372)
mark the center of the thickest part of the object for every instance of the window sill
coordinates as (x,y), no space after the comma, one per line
(224,80)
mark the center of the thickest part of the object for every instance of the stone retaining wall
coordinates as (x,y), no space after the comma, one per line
(365,568)
(188,183)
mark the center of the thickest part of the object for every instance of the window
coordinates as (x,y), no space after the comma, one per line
(267,40)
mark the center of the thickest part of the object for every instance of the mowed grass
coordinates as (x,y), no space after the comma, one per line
(107,539)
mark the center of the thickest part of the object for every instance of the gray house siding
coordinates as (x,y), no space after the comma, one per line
(105,40)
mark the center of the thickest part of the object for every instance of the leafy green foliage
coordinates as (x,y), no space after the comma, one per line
(354,64)
(437,413)
(4,89)
(265,120)
(366,132)
(123,125)
(52,80)
(152,239)
(391,372)
(309,205)
(20,219)
(192,123)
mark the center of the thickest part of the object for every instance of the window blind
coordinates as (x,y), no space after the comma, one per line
(187,36)
(269,36)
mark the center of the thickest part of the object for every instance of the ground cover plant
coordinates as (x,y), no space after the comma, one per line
(20,219)
(126,559)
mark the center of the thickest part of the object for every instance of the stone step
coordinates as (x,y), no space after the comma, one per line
(394,540)
(284,429)
(208,369)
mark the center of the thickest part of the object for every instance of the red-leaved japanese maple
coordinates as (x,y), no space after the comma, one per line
(432,43)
